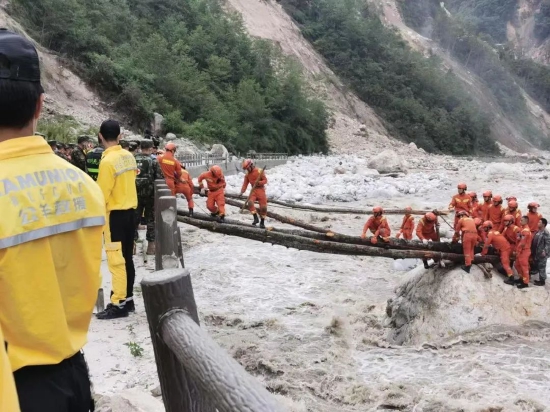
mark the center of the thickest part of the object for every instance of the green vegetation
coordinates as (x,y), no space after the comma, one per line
(534,77)
(135,349)
(417,99)
(64,129)
(542,21)
(186,59)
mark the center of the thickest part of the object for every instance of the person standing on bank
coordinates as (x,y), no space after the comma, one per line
(50,248)
(117,180)
(540,250)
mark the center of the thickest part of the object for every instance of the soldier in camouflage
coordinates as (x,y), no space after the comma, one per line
(148,171)
(78,155)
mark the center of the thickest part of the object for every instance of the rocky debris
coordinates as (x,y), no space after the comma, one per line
(387,162)
(219,150)
(413,146)
(439,304)
(131,400)
(156,125)
(156,391)
(170,137)
(502,170)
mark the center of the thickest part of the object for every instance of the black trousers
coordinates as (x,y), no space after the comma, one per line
(64,387)
(122,224)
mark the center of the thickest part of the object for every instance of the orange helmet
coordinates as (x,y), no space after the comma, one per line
(247,163)
(216,171)
(170,146)
(509,199)
(473,195)
(487,193)
(497,199)
(430,217)
(478,221)
(462,213)
(512,204)
(408,209)
(533,204)
(488,224)
(377,209)
(509,218)
(462,186)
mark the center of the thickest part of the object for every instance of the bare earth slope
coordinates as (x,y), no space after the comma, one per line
(66,93)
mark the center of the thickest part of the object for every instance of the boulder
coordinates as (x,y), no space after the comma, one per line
(387,162)
(219,150)
(156,126)
(413,146)
(439,305)
(131,400)
(170,137)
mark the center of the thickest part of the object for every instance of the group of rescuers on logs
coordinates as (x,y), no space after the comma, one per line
(520,240)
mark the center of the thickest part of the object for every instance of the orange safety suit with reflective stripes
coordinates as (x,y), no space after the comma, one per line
(497,240)
(177,178)
(378,226)
(495,214)
(51,236)
(523,252)
(216,194)
(534,219)
(477,210)
(517,217)
(427,230)
(407,227)
(258,194)
(511,234)
(467,227)
(484,211)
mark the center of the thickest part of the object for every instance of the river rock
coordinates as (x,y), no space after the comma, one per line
(170,137)
(219,150)
(157,124)
(387,162)
(131,400)
(437,305)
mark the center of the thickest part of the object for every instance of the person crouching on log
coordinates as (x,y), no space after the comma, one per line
(378,225)
(501,245)
(216,192)
(460,202)
(407,227)
(467,227)
(257,180)
(428,231)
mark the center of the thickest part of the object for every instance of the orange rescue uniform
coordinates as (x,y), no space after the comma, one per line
(378,226)
(467,226)
(427,230)
(511,233)
(177,178)
(497,240)
(534,219)
(484,211)
(258,194)
(216,194)
(407,227)
(477,210)
(495,214)
(523,252)
(517,217)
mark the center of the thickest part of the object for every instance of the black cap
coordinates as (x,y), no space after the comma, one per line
(18,58)
(82,139)
(146,144)
(52,143)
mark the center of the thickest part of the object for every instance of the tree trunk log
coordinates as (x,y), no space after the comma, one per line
(321,246)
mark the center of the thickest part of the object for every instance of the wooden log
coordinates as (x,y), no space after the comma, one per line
(284,219)
(320,246)
(393,243)
(167,253)
(229,387)
(164,291)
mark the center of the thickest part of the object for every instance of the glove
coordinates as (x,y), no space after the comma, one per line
(399,234)
(203,191)
(242,194)
(478,255)
(425,241)
(363,236)
(374,240)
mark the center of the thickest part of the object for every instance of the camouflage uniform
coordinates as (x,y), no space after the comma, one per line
(540,251)
(78,158)
(93,159)
(149,171)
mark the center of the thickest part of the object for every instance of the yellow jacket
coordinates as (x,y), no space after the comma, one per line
(8,395)
(117,179)
(50,252)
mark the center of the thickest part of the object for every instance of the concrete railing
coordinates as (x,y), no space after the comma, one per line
(195,374)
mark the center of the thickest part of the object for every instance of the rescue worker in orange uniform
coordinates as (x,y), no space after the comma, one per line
(427,231)
(481,235)
(501,245)
(476,206)
(534,216)
(216,191)
(378,225)
(495,212)
(467,227)
(510,231)
(407,227)
(255,176)
(487,202)
(523,252)
(177,178)
(460,202)
(512,210)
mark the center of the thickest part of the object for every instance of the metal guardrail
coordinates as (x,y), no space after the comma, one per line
(267,156)
(195,374)
(206,159)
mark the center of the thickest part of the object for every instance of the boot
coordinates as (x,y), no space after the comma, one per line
(130,306)
(220,219)
(466,268)
(113,312)
(214,214)
(262,223)
(539,282)
(510,280)
(425,261)
(190,212)
(523,285)
(150,248)
(256,220)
